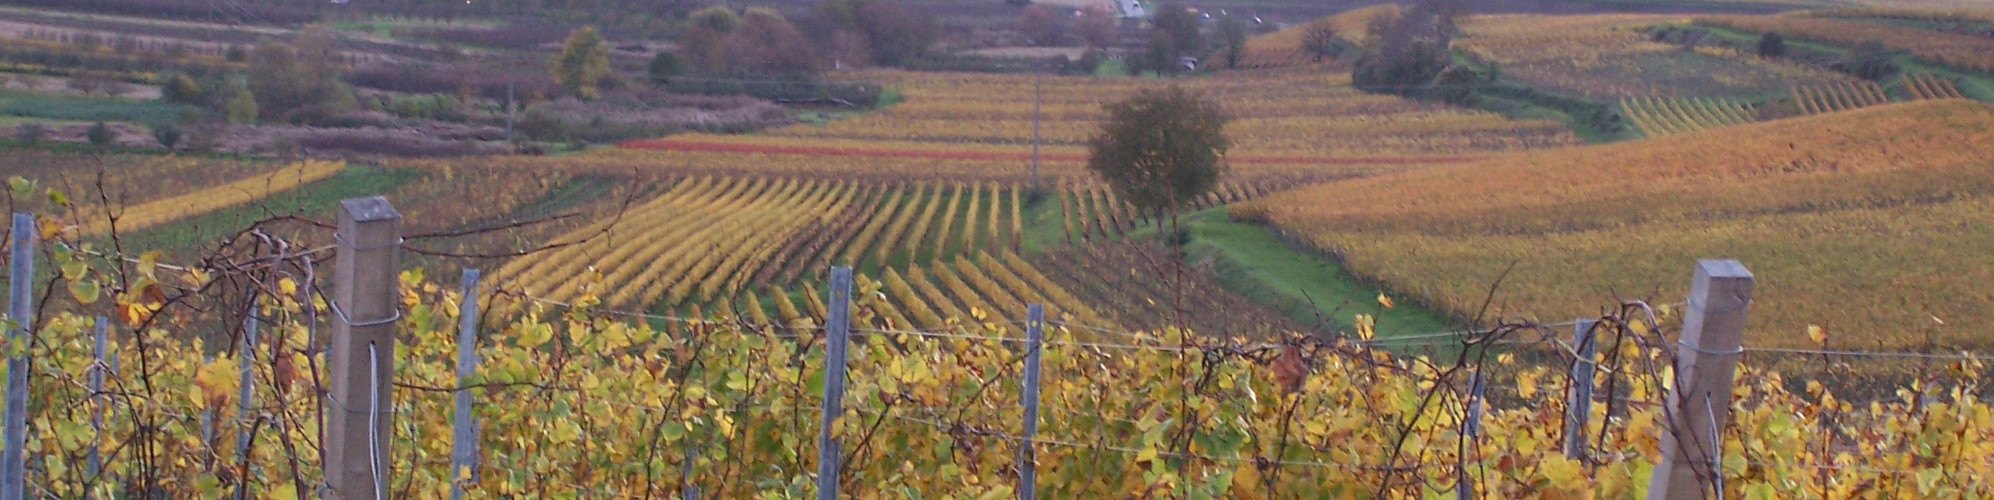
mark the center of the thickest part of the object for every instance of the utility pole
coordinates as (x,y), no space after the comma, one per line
(510,107)
(1037,98)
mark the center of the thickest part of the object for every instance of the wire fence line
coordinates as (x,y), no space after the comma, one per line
(951,427)
(1873,354)
(1446,337)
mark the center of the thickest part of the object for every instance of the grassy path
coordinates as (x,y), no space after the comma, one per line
(1254,262)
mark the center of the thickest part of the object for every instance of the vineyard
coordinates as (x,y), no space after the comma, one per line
(933,189)
(586,403)
(126,59)
(1658,117)
(1605,56)
(1583,226)
(1925,14)
(1284,112)
(926,189)
(737,245)
(1928,86)
(151,191)
(1838,97)
(1961,51)
(935,298)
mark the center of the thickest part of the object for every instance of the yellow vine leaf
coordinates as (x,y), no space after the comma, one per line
(148,264)
(85,291)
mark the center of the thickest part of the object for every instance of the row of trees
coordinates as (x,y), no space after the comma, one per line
(1092,27)
(1868,60)
(637,17)
(1176,32)
(1414,54)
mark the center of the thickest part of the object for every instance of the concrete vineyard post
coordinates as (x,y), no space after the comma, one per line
(837,334)
(1027,453)
(1578,406)
(1471,431)
(464,428)
(689,491)
(364,301)
(20,309)
(1706,362)
(246,363)
(100,345)
(208,419)
(463,450)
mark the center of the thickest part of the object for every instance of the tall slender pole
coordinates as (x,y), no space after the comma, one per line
(101,343)
(1471,430)
(20,309)
(1578,408)
(837,333)
(510,107)
(247,365)
(464,435)
(1037,98)
(1028,459)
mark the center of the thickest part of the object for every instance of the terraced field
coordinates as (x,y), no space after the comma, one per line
(1607,57)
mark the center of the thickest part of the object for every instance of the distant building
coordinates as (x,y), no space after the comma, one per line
(1131,9)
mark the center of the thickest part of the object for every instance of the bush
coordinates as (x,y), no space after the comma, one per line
(1090,62)
(664,66)
(242,109)
(182,89)
(1771,46)
(541,124)
(168,135)
(33,133)
(428,107)
(99,134)
(1870,60)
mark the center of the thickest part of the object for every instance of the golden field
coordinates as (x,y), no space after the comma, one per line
(1869,222)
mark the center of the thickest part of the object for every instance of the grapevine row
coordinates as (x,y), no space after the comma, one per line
(730,412)
(1656,117)
(1929,86)
(1842,96)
